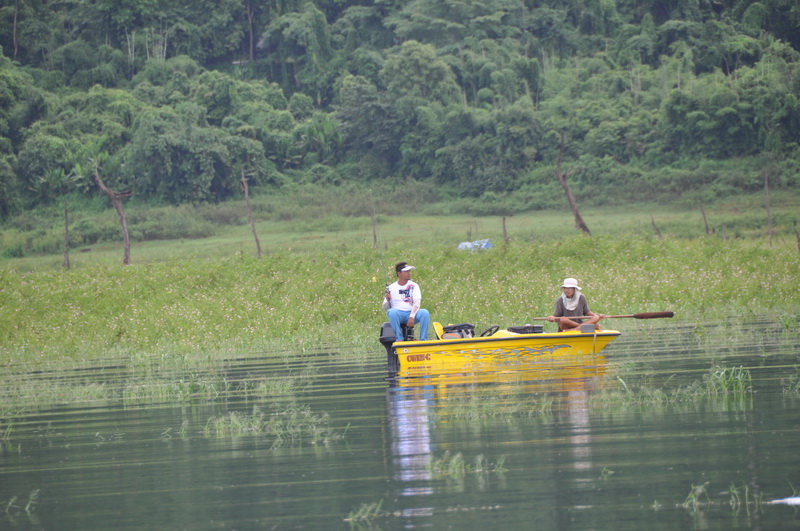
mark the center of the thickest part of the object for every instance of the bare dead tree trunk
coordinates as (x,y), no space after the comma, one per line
(130,39)
(246,189)
(505,232)
(655,227)
(66,236)
(14,31)
(562,178)
(116,200)
(766,204)
(374,231)
(705,220)
(251,30)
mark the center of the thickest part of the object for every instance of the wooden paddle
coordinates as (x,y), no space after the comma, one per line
(643,315)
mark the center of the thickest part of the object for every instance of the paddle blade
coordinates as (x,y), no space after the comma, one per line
(653,315)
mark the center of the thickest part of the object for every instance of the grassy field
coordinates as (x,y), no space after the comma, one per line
(309,223)
(321,278)
(238,303)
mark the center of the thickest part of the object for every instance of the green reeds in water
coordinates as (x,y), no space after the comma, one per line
(365,515)
(735,382)
(454,465)
(738,497)
(744,497)
(12,507)
(491,404)
(698,495)
(294,426)
(791,383)
(729,388)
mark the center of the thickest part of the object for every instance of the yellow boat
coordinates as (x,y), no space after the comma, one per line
(456,348)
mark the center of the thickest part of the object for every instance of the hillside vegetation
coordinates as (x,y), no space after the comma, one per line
(657,101)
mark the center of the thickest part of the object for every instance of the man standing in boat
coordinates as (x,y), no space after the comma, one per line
(572,303)
(402,303)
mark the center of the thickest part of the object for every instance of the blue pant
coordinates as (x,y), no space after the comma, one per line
(397,317)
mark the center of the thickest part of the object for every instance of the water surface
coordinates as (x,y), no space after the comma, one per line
(636,438)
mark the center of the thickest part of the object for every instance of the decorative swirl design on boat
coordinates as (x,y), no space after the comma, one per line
(528,351)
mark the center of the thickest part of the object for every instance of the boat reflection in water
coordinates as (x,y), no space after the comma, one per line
(417,399)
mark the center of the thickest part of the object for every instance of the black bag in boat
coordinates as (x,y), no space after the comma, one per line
(463,329)
(526,329)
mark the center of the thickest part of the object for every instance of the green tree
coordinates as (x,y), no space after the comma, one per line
(42,156)
(420,86)
(298,45)
(414,74)
(272,128)
(176,156)
(368,122)
(447,22)
(320,139)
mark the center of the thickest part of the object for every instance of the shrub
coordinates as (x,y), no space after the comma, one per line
(90,231)
(232,213)
(14,251)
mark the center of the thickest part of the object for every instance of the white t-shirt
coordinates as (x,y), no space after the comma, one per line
(404,298)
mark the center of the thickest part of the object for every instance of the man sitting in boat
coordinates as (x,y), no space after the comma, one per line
(402,303)
(572,303)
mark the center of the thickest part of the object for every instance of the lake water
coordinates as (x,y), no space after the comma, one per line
(642,437)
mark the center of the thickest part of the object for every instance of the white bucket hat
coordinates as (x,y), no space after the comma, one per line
(570,283)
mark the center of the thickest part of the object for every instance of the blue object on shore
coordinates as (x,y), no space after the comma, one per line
(477,244)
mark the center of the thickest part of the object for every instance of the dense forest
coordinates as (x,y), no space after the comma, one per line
(177,100)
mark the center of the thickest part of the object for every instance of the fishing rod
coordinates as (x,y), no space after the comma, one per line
(376,235)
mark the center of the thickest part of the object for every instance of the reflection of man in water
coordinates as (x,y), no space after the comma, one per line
(578,412)
(411,437)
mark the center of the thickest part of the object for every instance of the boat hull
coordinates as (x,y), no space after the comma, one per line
(501,348)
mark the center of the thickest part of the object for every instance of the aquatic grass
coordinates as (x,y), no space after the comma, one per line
(365,515)
(270,387)
(6,444)
(24,392)
(730,388)
(698,495)
(455,465)
(236,423)
(738,497)
(33,500)
(448,465)
(484,405)
(790,384)
(789,322)
(606,473)
(294,425)
(743,497)
(735,381)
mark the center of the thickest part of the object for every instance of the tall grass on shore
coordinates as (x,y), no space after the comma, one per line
(184,312)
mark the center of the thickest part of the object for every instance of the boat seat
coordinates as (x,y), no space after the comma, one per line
(387,334)
(462,330)
(526,329)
